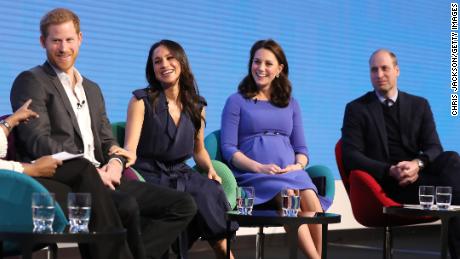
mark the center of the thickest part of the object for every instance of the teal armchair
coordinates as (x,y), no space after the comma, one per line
(16,202)
(15,205)
(321,175)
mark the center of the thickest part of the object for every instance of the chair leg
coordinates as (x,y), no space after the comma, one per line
(260,243)
(52,251)
(387,243)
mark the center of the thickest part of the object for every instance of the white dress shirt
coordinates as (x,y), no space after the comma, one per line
(77,98)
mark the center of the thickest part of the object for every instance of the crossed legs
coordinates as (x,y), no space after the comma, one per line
(310,236)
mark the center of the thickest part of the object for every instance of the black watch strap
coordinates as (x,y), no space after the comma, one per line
(5,124)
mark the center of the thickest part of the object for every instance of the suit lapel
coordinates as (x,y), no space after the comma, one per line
(404,117)
(63,95)
(92,105)
(375,109)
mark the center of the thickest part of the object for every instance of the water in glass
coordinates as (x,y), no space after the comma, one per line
(245,205)
(426,196)
(290,202)
(43,212)
(443,197)
(79,218)
(245,199)
(79,212)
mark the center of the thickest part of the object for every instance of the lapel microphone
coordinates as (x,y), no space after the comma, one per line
(80,105)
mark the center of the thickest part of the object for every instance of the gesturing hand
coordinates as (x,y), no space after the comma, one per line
(23,114)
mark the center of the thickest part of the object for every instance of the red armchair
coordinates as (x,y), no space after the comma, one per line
(367,200)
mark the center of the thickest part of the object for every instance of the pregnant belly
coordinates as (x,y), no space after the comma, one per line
(269,149)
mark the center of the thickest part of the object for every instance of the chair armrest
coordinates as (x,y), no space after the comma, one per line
(367,199)
(363,182)
(316,171)
(15,205)
(118,131)
(228,180)
(131,174)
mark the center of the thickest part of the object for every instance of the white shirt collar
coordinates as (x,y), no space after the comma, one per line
(383,98)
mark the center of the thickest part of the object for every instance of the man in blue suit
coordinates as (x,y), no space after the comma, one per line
(392,135)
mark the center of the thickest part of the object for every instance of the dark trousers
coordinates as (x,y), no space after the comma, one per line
(164,213)
(161,212)
(79,175)
(443,171)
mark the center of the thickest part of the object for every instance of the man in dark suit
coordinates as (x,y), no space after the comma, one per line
(392,135)
(72,118)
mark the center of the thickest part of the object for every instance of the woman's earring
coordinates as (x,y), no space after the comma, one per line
(277,76)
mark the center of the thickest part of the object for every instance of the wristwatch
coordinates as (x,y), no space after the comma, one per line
(5,124)
(420,163)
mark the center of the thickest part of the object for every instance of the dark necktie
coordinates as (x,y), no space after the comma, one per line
(388,102)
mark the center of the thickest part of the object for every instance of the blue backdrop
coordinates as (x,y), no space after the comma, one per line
(327,43)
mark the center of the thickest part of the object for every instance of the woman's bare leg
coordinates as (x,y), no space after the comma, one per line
(220,249)
(309,202)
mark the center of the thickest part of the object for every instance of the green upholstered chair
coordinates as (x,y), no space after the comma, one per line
(228,180)
(321,175)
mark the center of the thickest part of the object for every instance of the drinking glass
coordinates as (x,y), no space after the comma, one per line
(79,205)
(245,199)
(43,212)
(290,202)
(426,196)
(443,197)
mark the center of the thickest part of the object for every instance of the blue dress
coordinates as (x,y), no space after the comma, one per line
(267,134)
(162,151)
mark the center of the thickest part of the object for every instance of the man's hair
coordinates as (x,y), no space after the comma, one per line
(391,53)
(58,16)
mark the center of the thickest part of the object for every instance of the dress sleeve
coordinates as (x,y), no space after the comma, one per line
(140,93)
(8,165)
(229,128)
(297,137)
(3,144)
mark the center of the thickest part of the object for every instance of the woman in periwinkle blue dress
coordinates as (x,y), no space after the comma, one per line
(165,127)
(262,138)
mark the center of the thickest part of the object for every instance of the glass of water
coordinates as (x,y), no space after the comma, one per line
(290,202)
(443,197)
(43,212)
(79,205)
(426,196)
(245,199)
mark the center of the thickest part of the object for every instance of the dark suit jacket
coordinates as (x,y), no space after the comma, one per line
(57,128)
(364,137)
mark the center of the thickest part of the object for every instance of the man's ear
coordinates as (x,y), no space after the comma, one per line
(42,41)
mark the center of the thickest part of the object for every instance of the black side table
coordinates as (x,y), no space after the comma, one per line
(417,211)
(28,240)
(268,218)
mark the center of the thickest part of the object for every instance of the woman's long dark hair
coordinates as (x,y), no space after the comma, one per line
(280,87)
(188,90)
